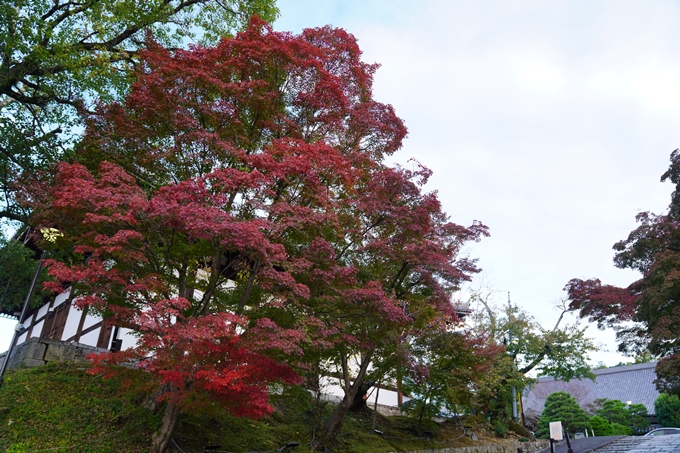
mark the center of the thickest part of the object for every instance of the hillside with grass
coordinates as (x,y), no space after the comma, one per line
(62,408)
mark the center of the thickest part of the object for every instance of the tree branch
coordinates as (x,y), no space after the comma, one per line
(534,363)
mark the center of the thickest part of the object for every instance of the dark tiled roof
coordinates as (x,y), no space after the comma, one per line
(634,383)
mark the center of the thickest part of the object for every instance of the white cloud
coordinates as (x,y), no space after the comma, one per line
(549,121)
(539,75)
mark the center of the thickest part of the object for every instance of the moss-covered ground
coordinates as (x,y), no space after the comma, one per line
(62,408)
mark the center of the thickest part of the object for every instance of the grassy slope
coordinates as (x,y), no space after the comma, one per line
(61,408)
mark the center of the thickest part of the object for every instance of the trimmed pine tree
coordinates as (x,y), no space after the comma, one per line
(561,406)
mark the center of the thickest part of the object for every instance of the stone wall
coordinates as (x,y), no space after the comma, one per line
(38,352)
(526,447)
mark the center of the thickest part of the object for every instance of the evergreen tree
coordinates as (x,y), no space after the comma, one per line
(561,406)
(639,417)
(614,411)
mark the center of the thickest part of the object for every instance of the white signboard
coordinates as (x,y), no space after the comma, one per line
(556,430)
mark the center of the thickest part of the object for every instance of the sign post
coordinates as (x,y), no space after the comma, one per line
(556,430)
(555,434)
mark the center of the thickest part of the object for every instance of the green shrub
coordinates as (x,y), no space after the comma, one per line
(667,408)
(601,426)
(620,430)
(501,427)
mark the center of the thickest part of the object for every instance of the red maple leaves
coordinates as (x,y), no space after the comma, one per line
(236,209)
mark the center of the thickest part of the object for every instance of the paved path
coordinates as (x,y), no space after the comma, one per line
(650,444)
(621,444)
(583,445)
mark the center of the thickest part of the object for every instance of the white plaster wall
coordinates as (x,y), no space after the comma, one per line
(124,334)
(71,326)
(90,338)
(331,387)
(385,397)
(90,321)
(42,311)
(61,298)
(37,329)
(28,321)
(23,337)
(129,340)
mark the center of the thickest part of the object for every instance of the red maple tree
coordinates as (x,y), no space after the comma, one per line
(646,314)
(236,212)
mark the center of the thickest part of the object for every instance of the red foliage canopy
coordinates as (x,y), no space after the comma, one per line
(604,304)
(237,207)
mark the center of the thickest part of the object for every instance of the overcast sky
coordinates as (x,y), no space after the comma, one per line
(550,122)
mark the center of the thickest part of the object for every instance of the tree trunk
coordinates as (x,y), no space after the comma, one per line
(359,400)
(334,423)
(400,393)
(160,440)
(375,406)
